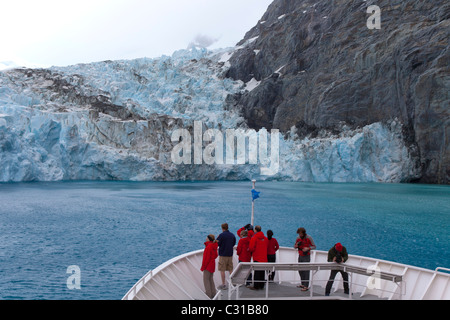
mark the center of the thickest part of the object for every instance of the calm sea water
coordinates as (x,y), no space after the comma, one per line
(117,231)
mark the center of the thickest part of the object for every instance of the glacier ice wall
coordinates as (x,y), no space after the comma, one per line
(375,153)
(113,120)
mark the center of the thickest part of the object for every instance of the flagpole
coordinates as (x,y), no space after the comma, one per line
(253,205)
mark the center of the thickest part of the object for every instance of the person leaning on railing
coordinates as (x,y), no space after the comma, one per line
(337,254)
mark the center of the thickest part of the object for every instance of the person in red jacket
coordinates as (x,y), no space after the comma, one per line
(258,247)
(304,244)
(244,252)
(271,251)
(249,229)
(209,265)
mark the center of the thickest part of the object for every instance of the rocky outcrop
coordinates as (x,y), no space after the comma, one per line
(317,66)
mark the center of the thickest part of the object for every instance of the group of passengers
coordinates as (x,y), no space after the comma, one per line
(253,244)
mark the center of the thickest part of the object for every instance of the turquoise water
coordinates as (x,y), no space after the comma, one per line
(117,231)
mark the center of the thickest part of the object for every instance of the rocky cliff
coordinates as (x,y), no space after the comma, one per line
(315,65)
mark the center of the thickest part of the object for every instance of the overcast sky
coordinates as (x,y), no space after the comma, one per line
(61,32)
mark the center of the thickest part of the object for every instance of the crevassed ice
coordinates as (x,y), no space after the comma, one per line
(48,134)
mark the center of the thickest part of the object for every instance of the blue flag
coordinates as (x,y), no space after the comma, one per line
(255,194)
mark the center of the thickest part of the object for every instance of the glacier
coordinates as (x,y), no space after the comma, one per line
(113,120)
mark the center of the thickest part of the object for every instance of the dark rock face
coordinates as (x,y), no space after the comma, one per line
(320,66)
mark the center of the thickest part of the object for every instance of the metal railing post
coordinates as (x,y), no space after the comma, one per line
(350,285)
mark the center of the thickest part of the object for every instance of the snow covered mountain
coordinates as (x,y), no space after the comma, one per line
(113,120)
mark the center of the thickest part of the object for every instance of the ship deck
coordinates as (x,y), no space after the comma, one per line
(369,279)
(288,291)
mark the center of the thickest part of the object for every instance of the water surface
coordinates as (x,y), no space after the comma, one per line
(117,231)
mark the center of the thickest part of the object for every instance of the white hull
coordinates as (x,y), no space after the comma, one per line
(181,279)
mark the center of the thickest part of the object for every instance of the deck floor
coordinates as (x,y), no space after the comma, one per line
(287,291)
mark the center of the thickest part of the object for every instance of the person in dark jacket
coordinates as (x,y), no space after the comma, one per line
(209,265)
(338,253)
(226,241)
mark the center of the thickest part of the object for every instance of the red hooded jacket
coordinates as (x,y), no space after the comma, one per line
(209,256)
(243,251)
(258,247)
